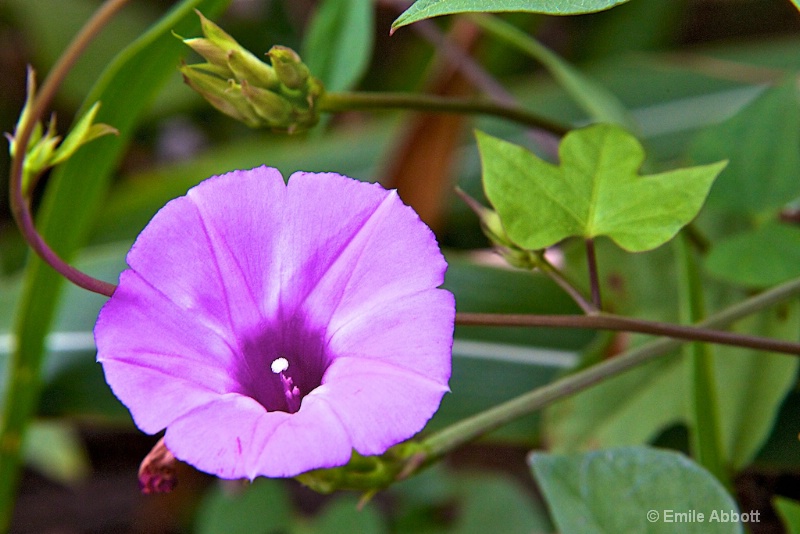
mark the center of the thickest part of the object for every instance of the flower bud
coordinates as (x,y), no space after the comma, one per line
(291,71)
(281,96)
(492,227)
(45,148)
(225,95)
(157,470)
(274,109)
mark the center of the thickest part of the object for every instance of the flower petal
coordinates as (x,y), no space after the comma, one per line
(158,360)
(258,443)
(378,404)
(192,249)
(414,332)
(359,243)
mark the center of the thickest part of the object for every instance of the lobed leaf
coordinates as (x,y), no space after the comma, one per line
(596,191)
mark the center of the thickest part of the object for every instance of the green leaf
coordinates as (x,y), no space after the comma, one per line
(596,100)
(762,142)
(126,88)
(494,503)
(343,516)
(703,412)
(595,191)
(634,489)
(425,9)
(788,510)
(338,46)
(84,131)
(759,258)
(752,385)
(232,508)
(629,409)
(55,450)
(635,407)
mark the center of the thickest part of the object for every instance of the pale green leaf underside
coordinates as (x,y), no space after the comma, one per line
(596,191)
(425,9)
(631,489)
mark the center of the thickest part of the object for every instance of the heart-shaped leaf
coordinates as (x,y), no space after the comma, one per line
(596,191)
(634,489)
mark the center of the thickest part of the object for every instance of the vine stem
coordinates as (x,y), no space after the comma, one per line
(346,101)
(20,207)
(473,427)
(607,321)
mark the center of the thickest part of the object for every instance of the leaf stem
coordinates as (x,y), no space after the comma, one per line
(20,207)
(594,278)
(345,101)
(466,430)
(569,288)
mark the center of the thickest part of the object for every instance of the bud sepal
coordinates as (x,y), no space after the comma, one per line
(281,96)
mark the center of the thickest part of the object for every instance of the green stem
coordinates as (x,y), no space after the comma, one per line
(348,101)
(473,427)
(706,437)
(24,382)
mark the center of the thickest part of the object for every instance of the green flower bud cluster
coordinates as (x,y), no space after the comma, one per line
(281,96)
(45,149)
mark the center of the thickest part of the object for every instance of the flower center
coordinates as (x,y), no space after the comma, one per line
(290,391)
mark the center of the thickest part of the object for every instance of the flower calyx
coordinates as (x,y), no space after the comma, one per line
(368,474)
(492,228)
(281,96)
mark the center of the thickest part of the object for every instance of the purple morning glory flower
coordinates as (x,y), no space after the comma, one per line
(273,328)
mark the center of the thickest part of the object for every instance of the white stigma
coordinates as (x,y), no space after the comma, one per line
(279,365)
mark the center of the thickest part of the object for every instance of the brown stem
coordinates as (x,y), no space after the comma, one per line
(20,208)
(594,278)
(604,321)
